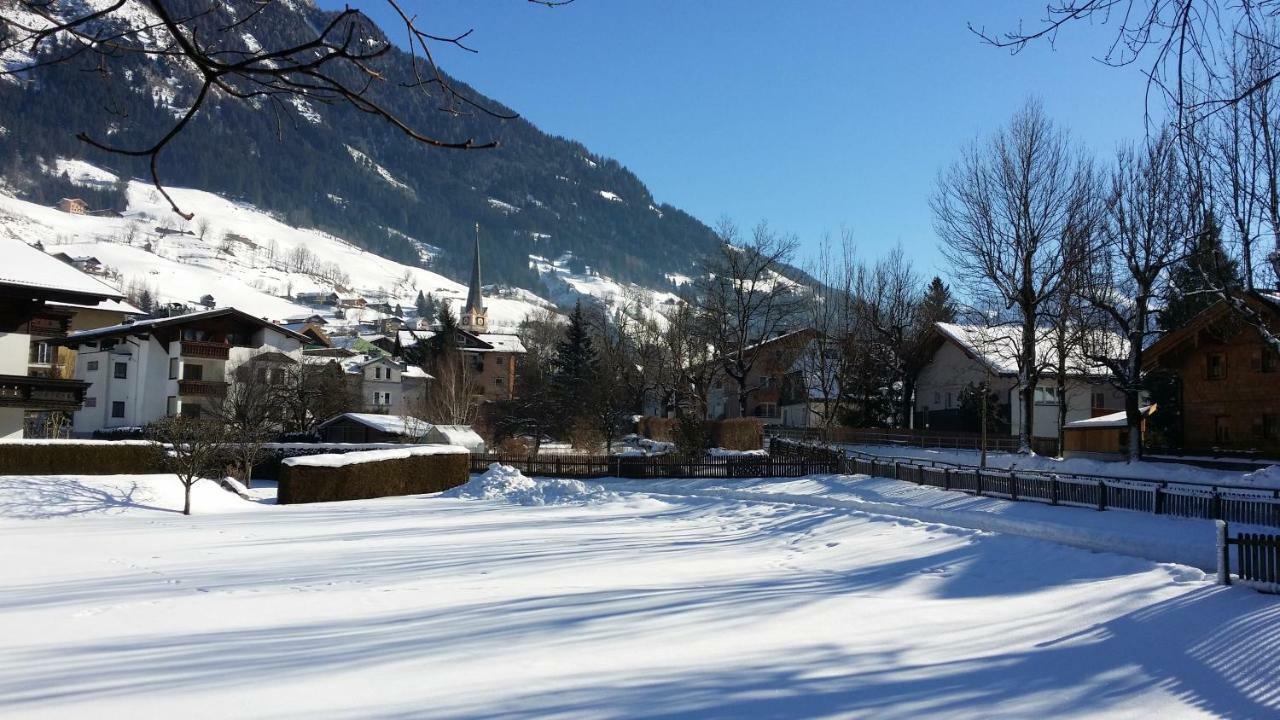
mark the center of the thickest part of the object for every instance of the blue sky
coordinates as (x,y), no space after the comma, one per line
(814,115)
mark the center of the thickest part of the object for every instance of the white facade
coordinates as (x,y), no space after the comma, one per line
(14,349)
(136,379)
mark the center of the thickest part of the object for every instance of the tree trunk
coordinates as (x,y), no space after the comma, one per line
(186,499)
(1062,410)
(1029,378)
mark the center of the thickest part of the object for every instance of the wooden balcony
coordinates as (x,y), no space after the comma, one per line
(205,350)
(36,393)
(202,388)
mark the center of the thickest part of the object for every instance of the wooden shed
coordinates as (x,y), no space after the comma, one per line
(1105,437)
(373,428)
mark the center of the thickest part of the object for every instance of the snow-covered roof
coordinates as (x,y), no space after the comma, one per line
(393,424)
(119,306)
(1113,420)
(997,347)
(503,343)
(27,267)
(147,325)
(413,371)
(462,435)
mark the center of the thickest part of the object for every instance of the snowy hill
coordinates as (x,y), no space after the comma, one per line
(239,254)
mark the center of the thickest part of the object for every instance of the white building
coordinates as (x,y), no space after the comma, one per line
(966,356)
(143,371)
(30,282)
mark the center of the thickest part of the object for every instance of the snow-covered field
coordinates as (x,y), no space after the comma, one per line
(663,600)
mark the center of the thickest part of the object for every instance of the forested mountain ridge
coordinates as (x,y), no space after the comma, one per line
(339,170)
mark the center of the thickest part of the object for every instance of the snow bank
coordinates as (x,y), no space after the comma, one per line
(723,453)
(367,456)
(51,496)
(42,441)
(1142,470)
(503,482)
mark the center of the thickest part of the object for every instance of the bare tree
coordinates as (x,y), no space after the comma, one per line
(312,393)
(341,62)
(887,300)
(252,410)
(452,396)
(1150,216)
(828,311)
(190,448)
(1003,212)
(746,300)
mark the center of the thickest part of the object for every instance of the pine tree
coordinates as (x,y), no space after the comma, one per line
(445,341)
(424,310)
(1207,267)
(574,371)
(937,305)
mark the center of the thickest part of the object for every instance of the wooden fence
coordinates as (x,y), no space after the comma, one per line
(1257,558)
(1234,503)
(656,466)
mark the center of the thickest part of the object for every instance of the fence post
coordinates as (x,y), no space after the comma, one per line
(1157,500)
(1224,557)
(1102,494)
(559,472)
(528,464)
(946,478)
(977,483)
(1215,505)
(1053,489)
(1013,486)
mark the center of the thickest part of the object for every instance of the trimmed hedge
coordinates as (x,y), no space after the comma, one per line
(371,474)
(72,457)
(273,454)
(732,434)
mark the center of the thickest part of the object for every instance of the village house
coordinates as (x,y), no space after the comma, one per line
(775,358)
(964,357)
(385,385)
(146,370)
(1225,379)
(83,263)
(30,283)
(75,206)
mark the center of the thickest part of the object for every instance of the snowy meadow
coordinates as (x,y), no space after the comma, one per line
(523,598)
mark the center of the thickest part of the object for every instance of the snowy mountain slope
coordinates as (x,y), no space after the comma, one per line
(235,252)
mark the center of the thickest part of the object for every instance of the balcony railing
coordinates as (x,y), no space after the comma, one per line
(205,349)
(202,388)
(36,393)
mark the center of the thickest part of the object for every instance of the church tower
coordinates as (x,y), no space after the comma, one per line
(474,318)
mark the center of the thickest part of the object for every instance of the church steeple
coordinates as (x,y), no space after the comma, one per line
(474,316)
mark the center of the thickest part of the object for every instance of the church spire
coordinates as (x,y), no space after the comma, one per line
(473,315)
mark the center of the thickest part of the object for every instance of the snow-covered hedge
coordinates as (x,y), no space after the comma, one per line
(406,470)
(275,453)
(76,457)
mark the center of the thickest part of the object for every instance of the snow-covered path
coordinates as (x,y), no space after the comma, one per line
(638,607)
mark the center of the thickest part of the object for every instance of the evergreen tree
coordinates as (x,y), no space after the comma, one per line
(420,304)
(574,371)
(1207,267)
(445,341)
(937,305)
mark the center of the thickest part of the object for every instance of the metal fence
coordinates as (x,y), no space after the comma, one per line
(1235,503)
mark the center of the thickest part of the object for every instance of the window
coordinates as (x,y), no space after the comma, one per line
(376,398)
(1215,366)
(948,401)
(92,366)
(1046,396)
(171,406)
(1222,428)
(173,368)
(91,402)
(377,373)
(1099,399)
(122,371)
(192,371)
(1270,426)
(41,354)
(117,408)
